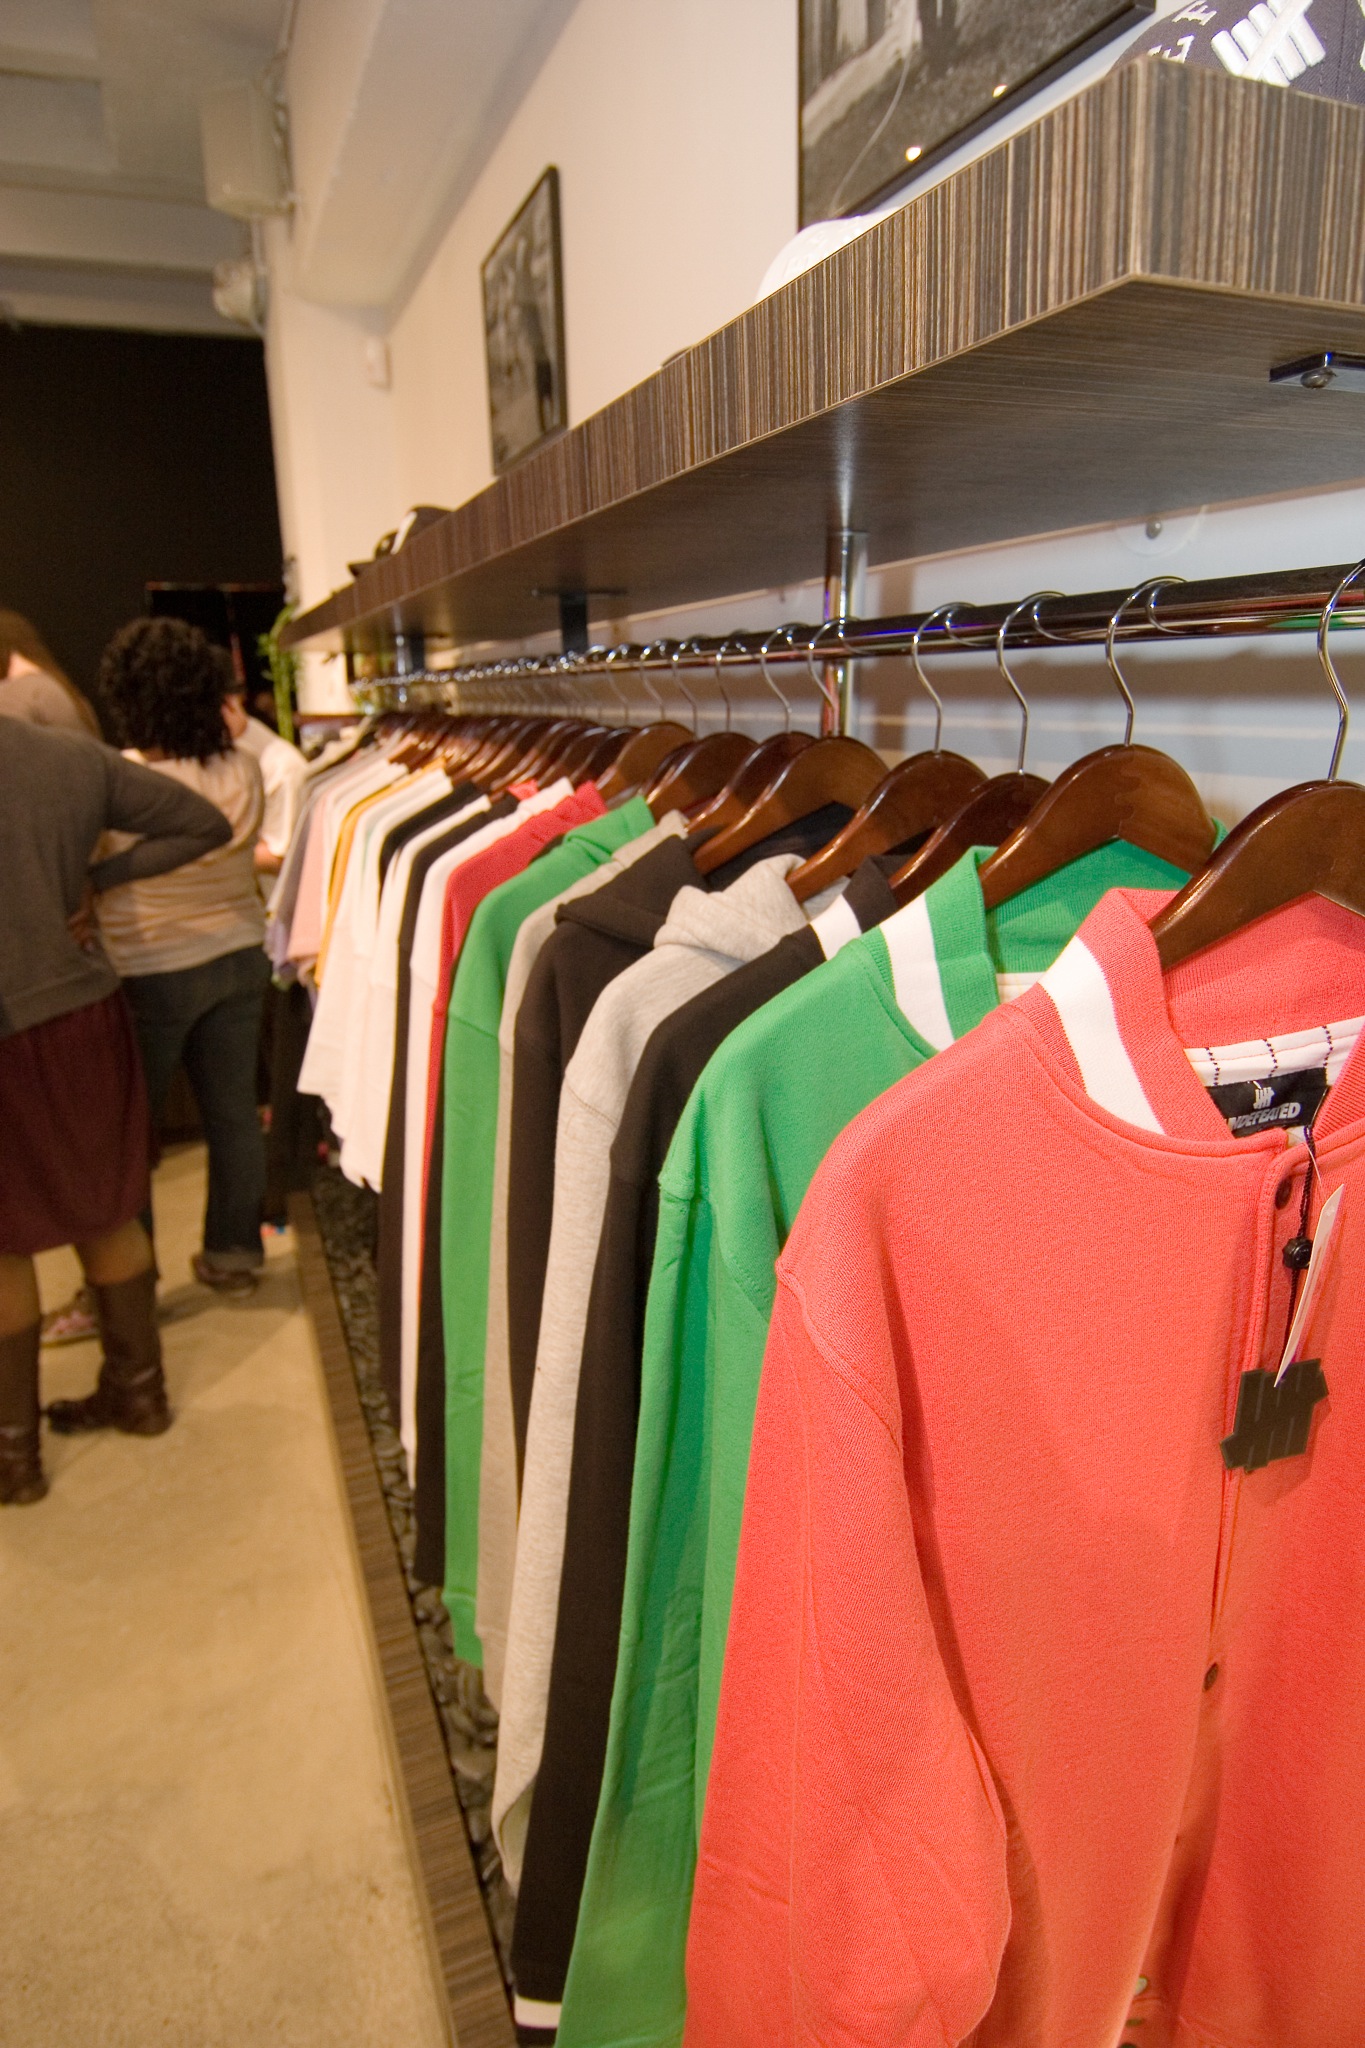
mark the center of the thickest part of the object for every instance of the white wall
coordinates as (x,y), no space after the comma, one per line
(674,128)
(333,431)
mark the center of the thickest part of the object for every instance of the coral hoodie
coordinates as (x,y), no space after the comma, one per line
(1043,1721)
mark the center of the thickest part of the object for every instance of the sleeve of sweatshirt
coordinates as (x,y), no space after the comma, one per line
(176,824)
(851,1883)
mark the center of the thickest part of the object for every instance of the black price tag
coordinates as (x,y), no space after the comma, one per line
(1273,1420)
(1283,1102)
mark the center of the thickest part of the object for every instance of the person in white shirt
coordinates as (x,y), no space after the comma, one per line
(284,772)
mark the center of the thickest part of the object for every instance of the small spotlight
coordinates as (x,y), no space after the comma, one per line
(999,91)
(914,152)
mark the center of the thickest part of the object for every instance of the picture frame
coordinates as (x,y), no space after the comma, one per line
(523,313)
(886,86)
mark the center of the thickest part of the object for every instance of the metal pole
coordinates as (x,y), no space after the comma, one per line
(409,649)
(845,586)
(1281,602)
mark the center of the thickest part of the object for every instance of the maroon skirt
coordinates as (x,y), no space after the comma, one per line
(74,1129)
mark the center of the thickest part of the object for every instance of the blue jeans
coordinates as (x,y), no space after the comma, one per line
(209,1017)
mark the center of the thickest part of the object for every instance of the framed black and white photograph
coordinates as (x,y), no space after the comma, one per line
(889,84)
(523,316)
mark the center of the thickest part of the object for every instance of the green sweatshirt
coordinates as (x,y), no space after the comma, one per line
(471,1119)
(767,1109)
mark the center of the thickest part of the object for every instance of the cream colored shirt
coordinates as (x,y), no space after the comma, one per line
(211,906)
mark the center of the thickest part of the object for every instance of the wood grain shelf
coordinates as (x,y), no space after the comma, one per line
(1078,327)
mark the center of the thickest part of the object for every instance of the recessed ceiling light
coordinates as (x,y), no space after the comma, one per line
(915,150)
(998,91)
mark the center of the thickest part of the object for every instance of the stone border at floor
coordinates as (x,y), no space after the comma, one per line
(466,1952)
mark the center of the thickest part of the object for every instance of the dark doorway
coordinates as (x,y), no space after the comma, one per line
(128,459)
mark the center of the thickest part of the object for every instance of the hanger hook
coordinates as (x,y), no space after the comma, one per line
(597,660)
(830,697)
(785,702)
(681,648)
(582,678)
(651,647)
(615,654)
(1329,668)
(573,675)
(1148,590)
(944,612)
(718,658)
(1033,600)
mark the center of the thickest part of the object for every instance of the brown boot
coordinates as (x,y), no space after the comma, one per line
(21,1471)
(130,1393)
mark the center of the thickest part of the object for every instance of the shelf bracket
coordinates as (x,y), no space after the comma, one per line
(573,615)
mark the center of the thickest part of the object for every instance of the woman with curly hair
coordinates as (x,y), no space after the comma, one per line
(188,945)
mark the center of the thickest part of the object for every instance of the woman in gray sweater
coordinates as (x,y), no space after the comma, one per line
(74,1128)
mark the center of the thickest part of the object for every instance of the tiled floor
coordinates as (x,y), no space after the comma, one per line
(198,1836)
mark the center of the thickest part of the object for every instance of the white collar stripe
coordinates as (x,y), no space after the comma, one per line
(535,2012)
(1081,996)
(914,973)
(835,926)
(1288,1052)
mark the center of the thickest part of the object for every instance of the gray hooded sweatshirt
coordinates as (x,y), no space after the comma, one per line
(707,935)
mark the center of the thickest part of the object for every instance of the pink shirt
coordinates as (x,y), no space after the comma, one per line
(1040,1726)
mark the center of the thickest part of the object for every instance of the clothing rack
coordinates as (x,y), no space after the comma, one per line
(1161,608)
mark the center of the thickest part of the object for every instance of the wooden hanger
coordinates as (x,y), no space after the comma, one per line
(695,771)
(990,814)
(1307,841)
(570,760)
(834,770)
(838,770)
(533,749)
(601,756)
(644,747)
(419,742)
(643,754)
(503,747)
(917,796)
(531,754)
(752,777)
(757,774)
(1132,793)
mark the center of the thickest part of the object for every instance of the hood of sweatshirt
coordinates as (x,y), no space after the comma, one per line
(635,902)
(738,923)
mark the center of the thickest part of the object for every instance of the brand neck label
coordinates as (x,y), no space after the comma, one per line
(1281,1102)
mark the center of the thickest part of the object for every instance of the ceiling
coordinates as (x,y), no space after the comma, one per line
(394,106)
(101,181)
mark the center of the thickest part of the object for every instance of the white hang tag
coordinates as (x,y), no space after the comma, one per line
(1324,1238)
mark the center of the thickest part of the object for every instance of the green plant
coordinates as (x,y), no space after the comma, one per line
(283,664)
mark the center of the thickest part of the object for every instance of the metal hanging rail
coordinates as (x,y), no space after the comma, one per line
(1161,608)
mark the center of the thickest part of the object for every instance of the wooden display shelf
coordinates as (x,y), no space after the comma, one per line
(1078,327)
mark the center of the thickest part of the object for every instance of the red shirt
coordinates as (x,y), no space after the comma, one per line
(1040,1726)
(466,888)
